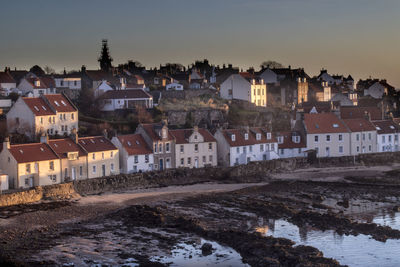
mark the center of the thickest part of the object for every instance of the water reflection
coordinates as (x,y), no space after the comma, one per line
(351,250)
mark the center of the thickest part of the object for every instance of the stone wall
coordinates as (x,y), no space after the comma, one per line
(253,172)
(179,117)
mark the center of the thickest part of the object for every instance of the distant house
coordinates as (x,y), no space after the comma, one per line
(162,142)
(241,146)
(174,86)
(387,135)
(327,135)
(69,84)
(103,87)
(134,153)
(52,114)
(7,83)
(362,136)
(37,86)
(194,148)
(125,99)
(372,113)
(377,90)
(245,87)
(291,145)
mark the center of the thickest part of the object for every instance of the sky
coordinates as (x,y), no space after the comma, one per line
(357,37)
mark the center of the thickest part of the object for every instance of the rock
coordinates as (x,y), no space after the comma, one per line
(206,249)
(396,208)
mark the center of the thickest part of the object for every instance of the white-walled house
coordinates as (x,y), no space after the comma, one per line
(194,148)
(174,86)
(125,99)
(241,146)
(7,83)
(244,87)
(291,145)
(327,135)
(52,114)
(134,153)
(37,86)
(362,136)
(388,133)
(70,84)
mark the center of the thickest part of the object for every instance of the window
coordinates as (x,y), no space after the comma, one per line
(155,148)
(61,117)
(272,146)
(28,168)
(357,137)
(299,151)
(363,136)
(102,155)
(369,136)
(251,148)
(210,158)
(181,148)
(196,148)
(282,151)
(328,138)
(41,120)
(195,137)
(182,161)
(112,154)
(204,159)
(52,165)
(238,150)
(358,149)
(94,169)
(396,137)
(230,92)
(146,158)
(167,147)
(369,148)
(54,120)
(268,135)
(53,178)
(258,92)
(160,148)
(189,161)
(80,170)
(210,146)
(72,116)
(93,156)
(233,137)
(112,166)
(246,136)
(340,137)
(317,150)
(237,161)
(390,138)
(261,147)
(49,119)
(383,139)
(316,138)
(264,157)
(62,128)
(258,136)
(244,149)
(136,159)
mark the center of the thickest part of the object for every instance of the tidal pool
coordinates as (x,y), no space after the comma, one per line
(350,250)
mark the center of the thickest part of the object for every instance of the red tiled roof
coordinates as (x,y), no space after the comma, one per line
(288,141)
(240,138)
(5,77)
(32,81)
(96,144)
(182,135)
(38,106)
(60,103)
(63,146)
(134,144)
(123,94)
(359,112)
(150,129)
(324,123)
(32,152)
(386,127)
(359,125)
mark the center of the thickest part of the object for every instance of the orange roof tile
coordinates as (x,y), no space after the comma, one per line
(32,152)
(134,144)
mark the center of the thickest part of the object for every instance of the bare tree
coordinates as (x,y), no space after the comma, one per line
(49,70)
(271,64)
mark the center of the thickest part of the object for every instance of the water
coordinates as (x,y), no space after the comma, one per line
(359,250)
(392,220)
(191,255)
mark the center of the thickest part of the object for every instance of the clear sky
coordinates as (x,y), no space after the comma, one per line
(358,37)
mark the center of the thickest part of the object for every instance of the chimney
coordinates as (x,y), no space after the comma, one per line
(44,138)
(196,128)
(74,135)
(83,69)
(6,143)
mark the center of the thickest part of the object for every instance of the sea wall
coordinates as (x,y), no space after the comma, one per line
(253,172)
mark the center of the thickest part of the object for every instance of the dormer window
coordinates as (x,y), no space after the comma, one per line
(246,136)
(37,83)
(335,125)
(280,139)
(296,139)
(268,136)
(233,137)
(258,136)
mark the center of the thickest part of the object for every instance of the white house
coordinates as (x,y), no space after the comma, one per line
(32,116)
(327,135)
(241,146)
(291,145)
(387,135)
(125,99)
(103,87)
(37,86)
(7,83)
(362,136)
(269,76)
(70,84)
(134,153)
(243,87)
(174,86)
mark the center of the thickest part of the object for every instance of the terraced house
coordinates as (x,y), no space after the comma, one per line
(194,148)
(241,146)
(52,114)
(162,142)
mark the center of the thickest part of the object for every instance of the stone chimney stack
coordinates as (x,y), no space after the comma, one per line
(6,143)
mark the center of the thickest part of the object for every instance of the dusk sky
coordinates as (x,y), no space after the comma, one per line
(358,37)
